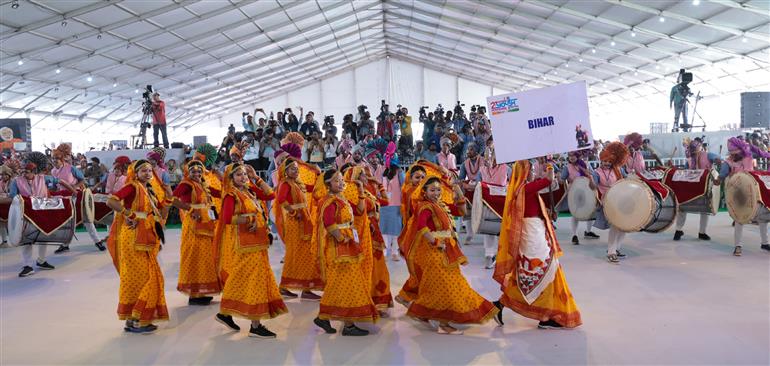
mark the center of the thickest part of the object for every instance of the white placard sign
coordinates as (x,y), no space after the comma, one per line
(540,122)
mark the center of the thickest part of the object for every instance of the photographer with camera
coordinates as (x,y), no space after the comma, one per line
(349,127)
(290,122)
(247,121)
(159,120)
(427,124)
(309,126)
(329,127)
(365,126)
(385,128)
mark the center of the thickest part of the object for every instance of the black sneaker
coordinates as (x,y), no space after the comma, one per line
(61,249)
(354,331)
(100,245)
(575,240)
(550,324)
(200,300)
(26,271)
(678,235)
(620,255)
(45,265)
(590,235)
(499,315)
(260,332)
(147,329)
(738,251)
(288,294)
(765,247)
(227,320)
(703,236)
(325,325)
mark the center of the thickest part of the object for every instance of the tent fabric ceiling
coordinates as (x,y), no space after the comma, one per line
(91,59)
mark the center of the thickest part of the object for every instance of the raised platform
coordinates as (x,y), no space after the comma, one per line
(107,157)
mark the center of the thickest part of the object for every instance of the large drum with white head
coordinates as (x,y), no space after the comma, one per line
(41,220)
(743,196)
(582,199)
(633,205)
(86,205)
(487,209)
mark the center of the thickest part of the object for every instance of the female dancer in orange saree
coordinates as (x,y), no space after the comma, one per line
(356,196)
(376,197)
(414,178)
(134,244)
(250,291)
(198,277)
(346,296)
(293,220)
(527,257)
(444,294)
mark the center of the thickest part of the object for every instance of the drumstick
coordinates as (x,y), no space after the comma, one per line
(671,159)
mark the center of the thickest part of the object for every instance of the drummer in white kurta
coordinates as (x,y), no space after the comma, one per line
(33,184)
(741,160)
(498,174)
(698,159)
(575,168)
(610,171)
(635,162)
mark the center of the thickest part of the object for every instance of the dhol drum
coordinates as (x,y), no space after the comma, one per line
(85,206)
(41,220)
(102,212)
(487,210)
(747,198)
(634,204)
(694,189)
(582,199)
(559,192)
(469,190)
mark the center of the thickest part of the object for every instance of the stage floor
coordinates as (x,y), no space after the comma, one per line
(687,302)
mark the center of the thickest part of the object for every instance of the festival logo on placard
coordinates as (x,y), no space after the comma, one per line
(504,105)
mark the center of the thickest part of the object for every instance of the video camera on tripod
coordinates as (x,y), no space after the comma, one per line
(140,140)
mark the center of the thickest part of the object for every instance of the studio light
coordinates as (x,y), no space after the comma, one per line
(21,62)
(58,71)
(661,19)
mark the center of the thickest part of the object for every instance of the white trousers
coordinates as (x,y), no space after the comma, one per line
(391,244)
(738,233)
(468,228)
(614,240)
(490,245)
(574,222)
(681,218)
(92,231)
(26,254)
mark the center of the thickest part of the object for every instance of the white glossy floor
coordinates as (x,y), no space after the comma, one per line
(689,302)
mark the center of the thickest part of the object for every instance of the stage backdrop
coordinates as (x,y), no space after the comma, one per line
(539,122)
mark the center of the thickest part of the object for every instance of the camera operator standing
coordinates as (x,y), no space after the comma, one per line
(159,120)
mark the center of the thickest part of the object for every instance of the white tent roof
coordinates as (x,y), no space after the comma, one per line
(91,60)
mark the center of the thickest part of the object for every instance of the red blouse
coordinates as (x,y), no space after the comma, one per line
(330,214)
(228,204)
(127,195)
(531,201)
(184,192)
(424,218)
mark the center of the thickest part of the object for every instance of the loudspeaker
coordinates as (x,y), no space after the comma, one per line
(687,77)
(755,110)
(199,140)
(177,145)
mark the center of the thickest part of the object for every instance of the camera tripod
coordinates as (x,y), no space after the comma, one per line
(140,141)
